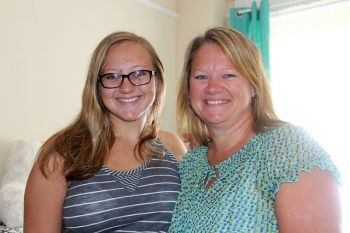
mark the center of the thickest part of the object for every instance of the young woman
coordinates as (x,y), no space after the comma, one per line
(111,169)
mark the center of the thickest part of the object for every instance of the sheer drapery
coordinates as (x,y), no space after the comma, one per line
(254,23)
(309,67)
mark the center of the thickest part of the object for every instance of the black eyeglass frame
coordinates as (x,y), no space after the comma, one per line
(123,76)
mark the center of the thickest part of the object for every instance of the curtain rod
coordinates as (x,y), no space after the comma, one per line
(277,9)
(241,12)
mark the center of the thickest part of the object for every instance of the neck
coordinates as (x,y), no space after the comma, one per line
(226,142)
(129,131)
(123,155)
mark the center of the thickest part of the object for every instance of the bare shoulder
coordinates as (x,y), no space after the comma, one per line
(312,204)
(173,143)
(44,197)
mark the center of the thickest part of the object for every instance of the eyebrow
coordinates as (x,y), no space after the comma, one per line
(119,71)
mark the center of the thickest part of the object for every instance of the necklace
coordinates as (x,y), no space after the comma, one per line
(214,158)
(210,178)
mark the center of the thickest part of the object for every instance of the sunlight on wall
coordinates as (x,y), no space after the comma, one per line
(310,80)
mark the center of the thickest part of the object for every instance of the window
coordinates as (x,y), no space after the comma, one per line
(310,74)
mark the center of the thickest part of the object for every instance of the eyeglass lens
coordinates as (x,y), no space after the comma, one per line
(137,78)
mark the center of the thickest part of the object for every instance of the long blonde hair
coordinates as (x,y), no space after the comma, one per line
(245,56)
(84,144)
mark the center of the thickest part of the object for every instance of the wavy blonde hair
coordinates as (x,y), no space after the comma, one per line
(84,144)
(245,57)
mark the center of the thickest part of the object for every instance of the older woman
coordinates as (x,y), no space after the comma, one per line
(252,172)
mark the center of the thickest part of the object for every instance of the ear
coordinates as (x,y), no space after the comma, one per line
(156,86)
(156,82)
(253,91)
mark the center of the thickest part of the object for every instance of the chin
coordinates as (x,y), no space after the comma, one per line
(132,116)
(214,121)
(217,118)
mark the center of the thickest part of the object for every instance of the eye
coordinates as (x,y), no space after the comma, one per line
(201,77)
(229,76)
(139,74)
(112,76)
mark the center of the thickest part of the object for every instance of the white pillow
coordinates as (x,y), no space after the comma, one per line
(11,202)
(12,184)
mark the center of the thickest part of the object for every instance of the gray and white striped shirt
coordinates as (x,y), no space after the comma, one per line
(140,200)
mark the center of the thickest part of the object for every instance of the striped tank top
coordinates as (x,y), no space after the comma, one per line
(140,200)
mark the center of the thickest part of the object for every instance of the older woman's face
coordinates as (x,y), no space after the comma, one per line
(219,95)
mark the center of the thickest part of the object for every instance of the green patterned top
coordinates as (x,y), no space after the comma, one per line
(242,198)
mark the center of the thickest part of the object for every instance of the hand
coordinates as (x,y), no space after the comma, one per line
(189,141)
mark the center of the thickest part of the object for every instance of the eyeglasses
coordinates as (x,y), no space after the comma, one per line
(136,78)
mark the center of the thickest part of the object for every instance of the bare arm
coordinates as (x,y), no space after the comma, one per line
(310,205)
(173,143)
(43,201)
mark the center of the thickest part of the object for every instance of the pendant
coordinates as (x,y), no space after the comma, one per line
(210,178)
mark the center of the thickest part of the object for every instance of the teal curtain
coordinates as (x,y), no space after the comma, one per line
(255,23)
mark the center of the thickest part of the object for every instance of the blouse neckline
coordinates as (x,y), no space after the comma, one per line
(226,166)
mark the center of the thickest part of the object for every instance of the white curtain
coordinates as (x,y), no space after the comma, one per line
(310,73)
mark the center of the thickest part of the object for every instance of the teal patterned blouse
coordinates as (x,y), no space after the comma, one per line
(242,198)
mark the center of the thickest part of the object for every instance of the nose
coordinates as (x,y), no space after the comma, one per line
(214,85)
(126,86)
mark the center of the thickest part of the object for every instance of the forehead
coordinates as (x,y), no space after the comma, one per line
(127,47)
(127,53)
(208,48)
(127,43)
(210,53)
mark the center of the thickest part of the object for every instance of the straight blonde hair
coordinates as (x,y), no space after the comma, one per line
(246,58)
(84,144)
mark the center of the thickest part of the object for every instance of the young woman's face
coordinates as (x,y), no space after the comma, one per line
(218,92)
(128,102)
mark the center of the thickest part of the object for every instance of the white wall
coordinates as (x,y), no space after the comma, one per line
(45,47)
(194,20)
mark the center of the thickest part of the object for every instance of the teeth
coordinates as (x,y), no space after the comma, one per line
(216,101)
(129,100)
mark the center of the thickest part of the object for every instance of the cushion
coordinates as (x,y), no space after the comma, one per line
(12,184)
